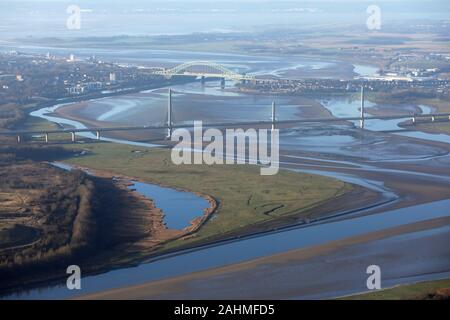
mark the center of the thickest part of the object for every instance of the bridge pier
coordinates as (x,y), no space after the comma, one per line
(414,120)
(97,135)
(72,136)
(222,83)
(46,137)
(433,118)
(203,80)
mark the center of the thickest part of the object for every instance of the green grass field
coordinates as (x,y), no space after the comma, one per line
(405,292)
(440,105)
(246,197)
(442,127)
(36,124)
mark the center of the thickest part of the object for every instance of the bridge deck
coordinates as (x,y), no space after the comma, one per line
(222,124)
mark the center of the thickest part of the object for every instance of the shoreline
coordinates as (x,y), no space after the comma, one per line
(147,245)
(126,180)
(181,285)
(97,96)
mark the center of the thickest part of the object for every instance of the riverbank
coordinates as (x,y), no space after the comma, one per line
(111,223)
(131,224)
(321,271)
(161,233)
(252,203)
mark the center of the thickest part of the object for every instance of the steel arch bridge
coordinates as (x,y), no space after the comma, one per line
(204,69)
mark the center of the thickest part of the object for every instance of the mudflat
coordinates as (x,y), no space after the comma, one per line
(335,269)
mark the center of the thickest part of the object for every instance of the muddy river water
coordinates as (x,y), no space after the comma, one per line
(362,151)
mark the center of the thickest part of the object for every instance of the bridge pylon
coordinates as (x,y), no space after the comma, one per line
(273,115)
(362,120)
(169,115)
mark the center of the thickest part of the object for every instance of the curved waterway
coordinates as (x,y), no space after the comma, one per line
(232,252)
(179,207)
(44,113)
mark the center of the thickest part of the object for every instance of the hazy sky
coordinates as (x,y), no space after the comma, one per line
(20,18)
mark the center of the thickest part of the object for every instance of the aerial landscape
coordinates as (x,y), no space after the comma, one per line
(225,150)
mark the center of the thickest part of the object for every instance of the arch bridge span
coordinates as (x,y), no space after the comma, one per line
(205,69)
